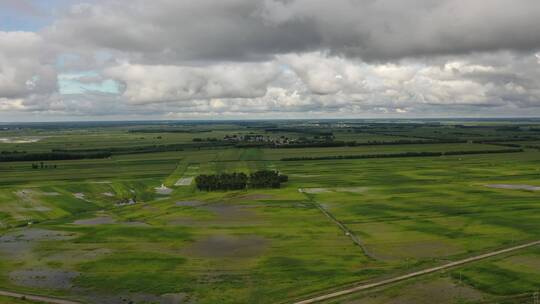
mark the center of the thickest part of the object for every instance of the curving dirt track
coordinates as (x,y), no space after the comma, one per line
(42,299)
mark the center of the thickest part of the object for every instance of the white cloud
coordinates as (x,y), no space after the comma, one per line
(159,83)
(326,75)
(277,58)
(25,68)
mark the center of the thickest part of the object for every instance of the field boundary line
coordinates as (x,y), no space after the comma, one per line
(414,274)
(342,226)
(347,231)
(31,297)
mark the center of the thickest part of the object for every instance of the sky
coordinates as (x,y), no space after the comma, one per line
(268,59)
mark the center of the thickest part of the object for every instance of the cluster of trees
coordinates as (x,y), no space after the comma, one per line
(267,179)
(239,181)
(405,154)
(52,156)
(224,181)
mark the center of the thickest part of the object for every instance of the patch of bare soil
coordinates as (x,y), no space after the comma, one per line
(183,221)
(20,140)
(185,181)
(224,215)
(29,193)
(150,208)
(172,298)
(25,194)
(163,190)
(440,291)
(253,197)
(530,262)
(227,246)
(43,278)
(305,175)
(351,189)
(189,203)
(80,196)
(514,187)
(38,209)
(313,190)
(135,224)
(101,220)
(337,189)
(77,255)
(30,200)
(51,193)
(230,213)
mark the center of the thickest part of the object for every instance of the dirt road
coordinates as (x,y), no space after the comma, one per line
(36,298)
(414,274)
(346,230)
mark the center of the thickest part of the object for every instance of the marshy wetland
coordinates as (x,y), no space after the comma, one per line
(132,226)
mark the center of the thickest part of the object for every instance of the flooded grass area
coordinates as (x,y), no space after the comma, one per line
(134,228)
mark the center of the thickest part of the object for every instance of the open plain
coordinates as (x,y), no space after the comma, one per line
(365,201)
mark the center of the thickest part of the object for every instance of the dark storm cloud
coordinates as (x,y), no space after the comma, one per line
(171,31)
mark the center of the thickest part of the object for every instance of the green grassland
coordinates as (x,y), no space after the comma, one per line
(68,231)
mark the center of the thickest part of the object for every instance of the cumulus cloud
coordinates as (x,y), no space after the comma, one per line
(168,58)
(25,68)
(159,83)
(327,75)
(477,81)
(27,74)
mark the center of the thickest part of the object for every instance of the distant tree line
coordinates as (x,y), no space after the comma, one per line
(323,144)
(492,141)
(503,144)
(405,154)
(533,147)
(12,152)
(334,143)
(52,156)
(300,130)
(239,181)
(150,149)
(167,131)
(489,127)
(210,139)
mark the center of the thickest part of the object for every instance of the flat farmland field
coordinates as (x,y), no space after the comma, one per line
(133,227)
